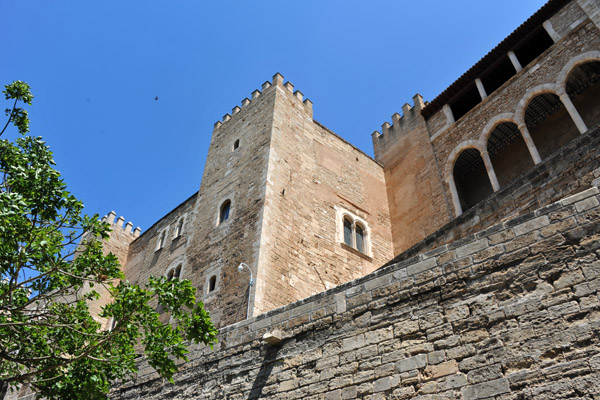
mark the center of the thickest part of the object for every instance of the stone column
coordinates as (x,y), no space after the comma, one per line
(566,100)
(550,30)
(490,171)
(454,195)
(530,144)
(515,61)
(449,115)
(480,88)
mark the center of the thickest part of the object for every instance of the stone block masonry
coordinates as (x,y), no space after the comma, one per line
(574,168)
(511,313)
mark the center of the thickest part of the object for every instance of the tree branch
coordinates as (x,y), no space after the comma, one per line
(9,117)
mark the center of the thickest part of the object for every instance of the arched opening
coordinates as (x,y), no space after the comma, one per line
(508,152)
(360,238)
(212,283)
(174,273)
(179,228)
(583,87)
(471,178)
(224,211)
(161,240)
(348,232)
(549,124)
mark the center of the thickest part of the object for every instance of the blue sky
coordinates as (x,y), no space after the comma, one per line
(95,68)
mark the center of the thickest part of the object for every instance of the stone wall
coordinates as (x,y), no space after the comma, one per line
(572,169)
(508,103)
(512,313)
(419,155)
(413,180)
(314,177)
(235,170)
(146,259)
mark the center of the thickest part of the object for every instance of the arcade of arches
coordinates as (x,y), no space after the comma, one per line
(551,121)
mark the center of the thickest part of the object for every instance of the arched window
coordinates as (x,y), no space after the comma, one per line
(236,144)
(212,283)
(348,231)
(224,211)
(508,152)
(179,228)
(174,273)
(471,178)
(549,123)
(583,87)
(360,238)
(353,231)
(161,240)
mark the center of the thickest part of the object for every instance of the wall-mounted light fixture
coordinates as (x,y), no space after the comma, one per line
(240,268)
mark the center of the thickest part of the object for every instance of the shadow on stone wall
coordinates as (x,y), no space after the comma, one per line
(266,368)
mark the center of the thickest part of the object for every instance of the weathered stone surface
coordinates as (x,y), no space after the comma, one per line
(507,340)
(499,302)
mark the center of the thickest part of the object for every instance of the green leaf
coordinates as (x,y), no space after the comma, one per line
(48,335)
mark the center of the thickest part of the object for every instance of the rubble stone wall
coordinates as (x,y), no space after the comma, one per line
(510,313)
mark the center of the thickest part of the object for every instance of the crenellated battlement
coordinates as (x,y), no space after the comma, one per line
(277,80)
(120,224)
(411,116)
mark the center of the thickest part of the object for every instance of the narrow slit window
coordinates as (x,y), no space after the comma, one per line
(212,283)
(236,144)
(224,212)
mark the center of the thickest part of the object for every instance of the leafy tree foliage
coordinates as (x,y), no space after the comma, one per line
(51,259)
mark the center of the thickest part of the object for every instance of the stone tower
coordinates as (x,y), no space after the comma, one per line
(414,186)
(277,189)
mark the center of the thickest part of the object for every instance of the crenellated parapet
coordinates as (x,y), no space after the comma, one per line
(411,116)
(277,81)
(390,135)
(120,226)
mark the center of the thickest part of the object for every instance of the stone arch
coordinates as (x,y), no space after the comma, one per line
(487,129)
(468,187)
(548,121)
(475,144)
(581,83)
(508,151)
(176,268)
(529,96)
(573,63)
